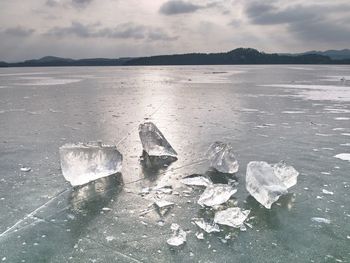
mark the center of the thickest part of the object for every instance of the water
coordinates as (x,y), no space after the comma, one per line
(268,113)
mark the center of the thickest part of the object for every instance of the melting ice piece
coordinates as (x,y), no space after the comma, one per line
(196,180)
(207,227)
(221,157)
(154,142)
(85,162)
(233,217)
(179,236)
(163,206)
(216,194)
(267,184)
(321,220)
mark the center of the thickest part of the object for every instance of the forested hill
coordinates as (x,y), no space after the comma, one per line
(236,56)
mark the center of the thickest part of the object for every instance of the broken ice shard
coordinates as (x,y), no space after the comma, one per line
(163,206)
(85,162)
(267,183)
(196,180)
(233,217)
(179,236)
(207,227)
(222,158)
(216,194)
(154,142)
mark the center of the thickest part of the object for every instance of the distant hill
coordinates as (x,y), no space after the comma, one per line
(333,54)
(51,61)
(236,56)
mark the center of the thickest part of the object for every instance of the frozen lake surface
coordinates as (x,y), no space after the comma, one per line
(299,114)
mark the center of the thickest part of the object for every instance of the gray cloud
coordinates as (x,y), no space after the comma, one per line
(174,7)
(18,31)
(65,3)
(81,3)
(159,34)
(52,2)
(75,29)
(122,31)
(268,14)
(307,22)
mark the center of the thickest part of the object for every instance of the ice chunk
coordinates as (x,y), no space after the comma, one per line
(216,194)
(343,156)
(221,157)
(200,235)
(326,192)
(207,227)
(163,206)
(82,163)
(25,169)
(196,180)
(263,184)
(233,217)
(321,220)
(179,236)
(287,174)
(154,142)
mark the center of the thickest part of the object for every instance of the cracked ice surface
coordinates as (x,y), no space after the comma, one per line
(222,158)
(216,194)
(82,163)
(154,142)
(267,183)
(233,217)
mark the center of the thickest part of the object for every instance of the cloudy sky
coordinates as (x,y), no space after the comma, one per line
(119,28)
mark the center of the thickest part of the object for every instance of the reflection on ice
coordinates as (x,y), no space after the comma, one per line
(91,198)
(152,166)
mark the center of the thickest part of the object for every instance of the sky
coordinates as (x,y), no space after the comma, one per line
(130,28)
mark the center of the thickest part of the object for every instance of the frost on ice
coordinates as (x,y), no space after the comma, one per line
(267,183)
(154,142)
(85,162)
(179,236)
(222,158)
(233,217)
(216,194)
